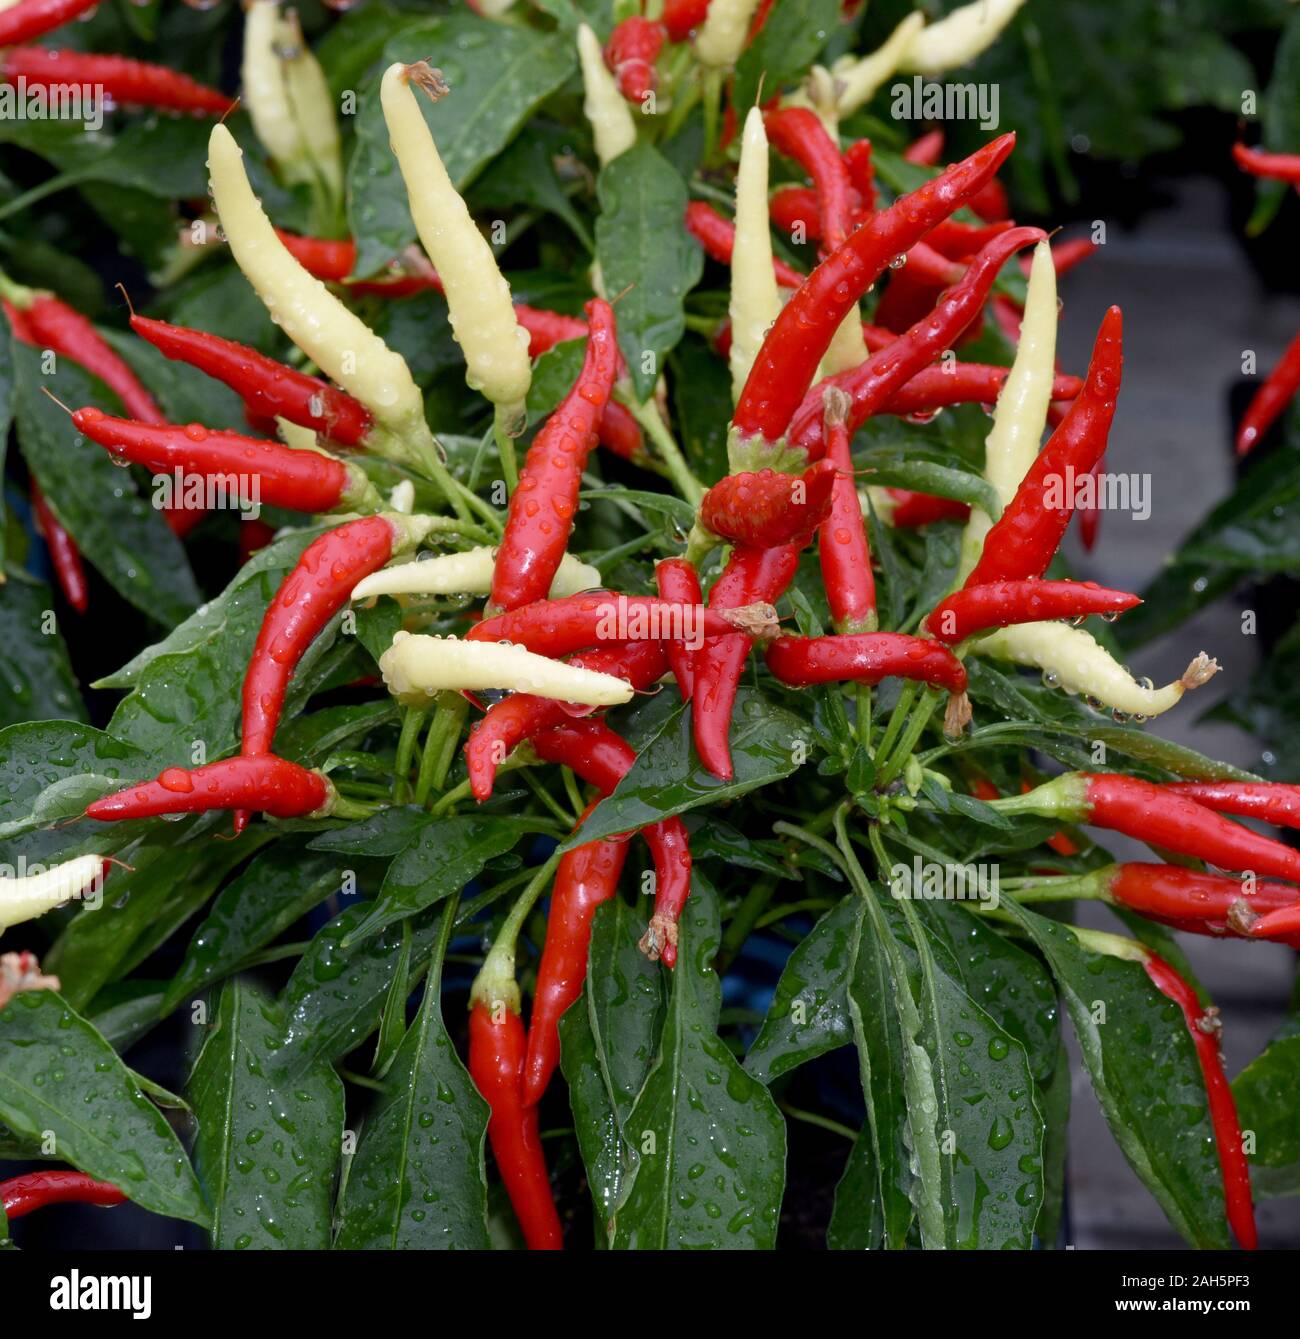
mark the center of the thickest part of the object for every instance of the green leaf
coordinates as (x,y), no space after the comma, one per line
(1268,1096)
(279,886)
(792,37)
(709,1140)
(267,1151)
(668,779)
(809,1013)
(856,1218)
(497,73)
(417,1180)
(117,530)
(58,1075)
(334,999)
(440,859)
(1146,1076)
(608,1040)
(645,253)
(34,665)
(1053,1100)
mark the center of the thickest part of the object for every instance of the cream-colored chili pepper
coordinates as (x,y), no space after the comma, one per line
(267,34)
(23,899)
(468,573)
(859,78)
(1013,440)
(313,109)
(1075,661)
(725,31)
(417,667)
(478,297)
(612,126)
(960,37)
(755,299)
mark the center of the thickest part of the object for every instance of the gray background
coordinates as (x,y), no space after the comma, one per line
(1191,305)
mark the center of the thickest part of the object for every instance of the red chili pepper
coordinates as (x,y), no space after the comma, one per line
(253,537)
(1282,925)
(875,382)
(842,541)
(34,1190)
(1073,251)
(65,557)
(268,388)
(631,52)
(130,81)
(916,509)
(496,1062)
(306,481)
(31,18)
(559,627)
(750,575)
(1000,604)
(682,17)
(925,150)
(798,133)
(766,508)
(862,172)
(866,657)
(676,579)
(592,750)
(960,241)
(910,293)
(1155,815)
(1090,515)
(312,593)
(543,506)
(962,383)
(1205,904)
(717,235)
(1271,399)
(326,258)
(990,202)
(1269,801)
(272,785)
(523,715)
(584,879)
(1261,163)
(1023,541)
(793,209)
(1204,1027)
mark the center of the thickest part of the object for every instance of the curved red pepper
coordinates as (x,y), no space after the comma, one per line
(682,17)
(310,595)
(34,1190)
(584,879)
(599,756)
(306,481)
(1282,924)
(496,1061)
(866,657)
(1261,163)
(266,783)
(842,540)
(559,627)
(862,172)
(916,509)
(267,388)
(750,575)
(544,504)
(960,241)
(875,382)
(135,82)
(1206,904)
(522,715)
(65,557)
(1023,541)
(717,235)
(1204,1031)
(1270,801)
(1000,604)
(925,150)
(676,579)
(797,132)
(766,508)
(962,383)
(785,364)
(31,18)
(1270,399)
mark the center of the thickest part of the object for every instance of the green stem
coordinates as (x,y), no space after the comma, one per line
(547,798)
(496,978)
(712,107)
(778,914)
(353,809)
(822,1122)
(904,704)
(647,415)
(440,745)
(571,789)
(412,724)
(863,722)
(810,838)
(46,188)
(505,451)
(453,797)
(919,720)
(744,920)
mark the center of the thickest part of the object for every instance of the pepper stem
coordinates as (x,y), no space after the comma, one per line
(502,420)
(648,416)
(495,982)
